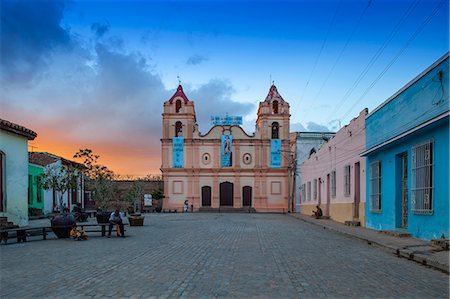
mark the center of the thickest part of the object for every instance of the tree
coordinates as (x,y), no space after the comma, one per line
(99,176)
(134,195)
(60,179)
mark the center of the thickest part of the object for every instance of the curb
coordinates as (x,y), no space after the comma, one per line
(400,252)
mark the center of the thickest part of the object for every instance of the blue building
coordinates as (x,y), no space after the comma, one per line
(407,150)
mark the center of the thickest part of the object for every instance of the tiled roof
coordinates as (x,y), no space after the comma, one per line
(179,93)
(44,159)
(17,129)
(273,94)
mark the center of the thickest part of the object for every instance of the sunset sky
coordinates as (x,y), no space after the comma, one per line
(86,74)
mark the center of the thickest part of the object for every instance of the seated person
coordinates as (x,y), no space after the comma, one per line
(318,213)
(116,219)
(78,234)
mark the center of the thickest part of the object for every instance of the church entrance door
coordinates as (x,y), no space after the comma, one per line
(247,196)
(206,196)
(226,194)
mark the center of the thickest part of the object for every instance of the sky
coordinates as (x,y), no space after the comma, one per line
(95,74)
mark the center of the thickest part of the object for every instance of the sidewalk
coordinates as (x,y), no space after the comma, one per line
(410,248)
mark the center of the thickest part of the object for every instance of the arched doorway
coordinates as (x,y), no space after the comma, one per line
(247,196)
(226,194)
(206,196)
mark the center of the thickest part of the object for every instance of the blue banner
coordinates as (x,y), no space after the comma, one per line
(178,152)
(226,150)
(226,120)
(275,153)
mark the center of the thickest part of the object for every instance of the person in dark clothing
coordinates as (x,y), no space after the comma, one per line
(318,213)
(116,219)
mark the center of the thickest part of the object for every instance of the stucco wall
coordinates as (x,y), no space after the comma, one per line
(341,151)
(15,149)
(420,226)
(36,171)
(419,102)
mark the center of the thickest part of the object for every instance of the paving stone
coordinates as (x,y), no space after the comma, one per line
(215,255)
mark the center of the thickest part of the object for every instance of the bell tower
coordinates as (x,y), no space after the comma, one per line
(273,116)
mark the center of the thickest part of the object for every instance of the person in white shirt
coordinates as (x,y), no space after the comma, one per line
(116,219)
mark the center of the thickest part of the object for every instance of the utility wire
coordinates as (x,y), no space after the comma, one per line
(343,49)
(416,33)
(375,57)
(321,50)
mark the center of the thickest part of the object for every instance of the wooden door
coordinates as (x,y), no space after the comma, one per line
(206,196)
(247,196)
(357,194)
(226,194)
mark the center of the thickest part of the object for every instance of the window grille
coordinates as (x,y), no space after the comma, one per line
(422,178)
(309,191)
(375,186)
(315,189)
(347,180)
(304,192)
(333,183)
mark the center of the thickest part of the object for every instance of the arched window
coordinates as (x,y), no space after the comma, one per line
(178,106)
(275,130)
(275,107)
(178,129)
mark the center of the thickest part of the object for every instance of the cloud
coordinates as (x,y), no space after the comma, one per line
(314,127)
(297,127)
(196,59)
(215,98)
(100,29)
(30,32)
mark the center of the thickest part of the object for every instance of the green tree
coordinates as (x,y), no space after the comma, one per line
(99,176)
(60,179)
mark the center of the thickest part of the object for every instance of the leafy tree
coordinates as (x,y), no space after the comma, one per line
(135,194)
(60,179)
(100,177)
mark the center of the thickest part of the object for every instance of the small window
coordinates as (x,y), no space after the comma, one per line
(422,178)
(304,192)
(178,106)
(309,191)
(375,187)
(333,183)
(178,129)
(347,186)
(275,107)
(315,189)
(275,130)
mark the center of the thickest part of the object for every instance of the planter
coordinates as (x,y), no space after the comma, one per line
(103,217)
(62,225)
(136,220)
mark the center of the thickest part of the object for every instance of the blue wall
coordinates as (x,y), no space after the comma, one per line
(420,226)
(418,102)
(424,99)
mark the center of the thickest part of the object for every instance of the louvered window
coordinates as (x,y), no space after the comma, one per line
(375,187)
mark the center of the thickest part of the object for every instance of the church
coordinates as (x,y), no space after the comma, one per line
(226,168)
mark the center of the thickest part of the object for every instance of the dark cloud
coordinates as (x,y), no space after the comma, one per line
(196,59)
(30,31)
(100,29)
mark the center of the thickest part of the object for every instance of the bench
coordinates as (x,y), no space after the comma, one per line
(21,233)
(102,226)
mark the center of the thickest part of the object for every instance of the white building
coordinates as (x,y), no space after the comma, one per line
(14,171)
(307,143)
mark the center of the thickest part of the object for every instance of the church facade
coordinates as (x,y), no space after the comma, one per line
(226,167)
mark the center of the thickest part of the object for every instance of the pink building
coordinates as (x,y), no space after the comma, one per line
(334,176)
(226,168)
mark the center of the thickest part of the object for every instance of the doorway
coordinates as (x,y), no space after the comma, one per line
(247,196)
(226,194)
(327,207)
(357,194)
(206,196)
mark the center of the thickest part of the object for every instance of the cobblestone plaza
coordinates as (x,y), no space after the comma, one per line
(215,255)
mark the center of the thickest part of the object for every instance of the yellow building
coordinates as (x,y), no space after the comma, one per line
(226,167)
